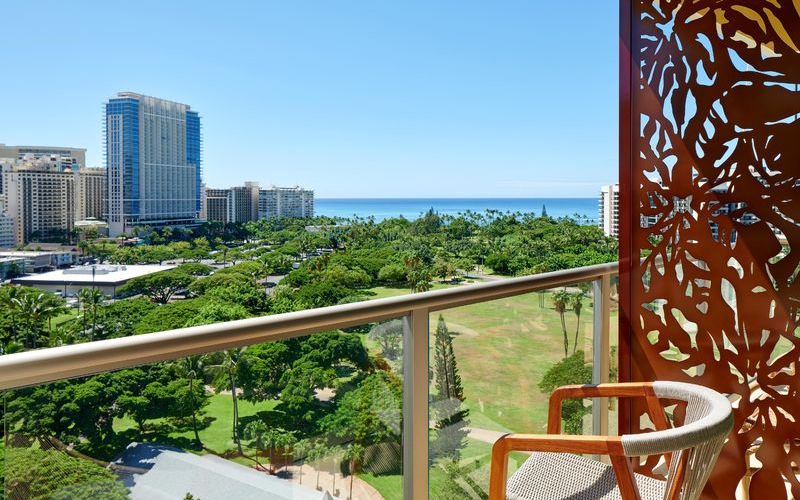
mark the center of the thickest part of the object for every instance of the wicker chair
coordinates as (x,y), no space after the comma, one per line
(555,472)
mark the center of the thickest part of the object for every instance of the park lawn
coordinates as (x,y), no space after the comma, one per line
(218,436)
(503,349)
(71,314)
(381,292)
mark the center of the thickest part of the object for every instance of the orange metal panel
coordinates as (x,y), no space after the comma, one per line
(709,169)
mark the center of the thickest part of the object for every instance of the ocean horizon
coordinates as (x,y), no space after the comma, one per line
(582,209)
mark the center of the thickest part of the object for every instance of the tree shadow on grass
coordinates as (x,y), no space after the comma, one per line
(159,432)
(273,418)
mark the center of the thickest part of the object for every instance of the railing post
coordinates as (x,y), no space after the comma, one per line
(601,350)
(415,404)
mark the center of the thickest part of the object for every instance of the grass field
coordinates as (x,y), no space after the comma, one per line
(503,349)
(218,435)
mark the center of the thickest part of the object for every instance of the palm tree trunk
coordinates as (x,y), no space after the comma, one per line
(577,330)
(194,411)
(235,413)
(566,338)
(94,319)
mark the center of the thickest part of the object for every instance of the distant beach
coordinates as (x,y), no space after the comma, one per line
(584,209)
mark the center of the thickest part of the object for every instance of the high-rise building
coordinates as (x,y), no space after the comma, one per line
(45,196)
(90,193)
(8,237)
(41,199)
(243,205)
(285,202)
(236,204)
(609,210)
(217,204)
(153,162)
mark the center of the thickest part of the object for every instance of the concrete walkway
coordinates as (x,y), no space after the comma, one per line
(484,435)
(307,476)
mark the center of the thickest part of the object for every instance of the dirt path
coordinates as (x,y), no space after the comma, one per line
(457,329)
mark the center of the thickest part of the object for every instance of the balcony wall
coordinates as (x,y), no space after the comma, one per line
(710,96)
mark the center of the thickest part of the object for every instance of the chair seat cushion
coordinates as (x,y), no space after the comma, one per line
(551,476)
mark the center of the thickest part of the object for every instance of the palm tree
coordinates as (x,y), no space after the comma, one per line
(560,300)
(303,447)
(287,442)
(354,454)
(30,308)
(84,246)
(227,369)
(52,306)
(577,305)
(276,439)
(317,453)
(90,298)
(257,431)
(333,454)
(190,368)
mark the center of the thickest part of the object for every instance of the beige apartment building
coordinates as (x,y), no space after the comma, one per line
(90,193)
(44,196)
(236,204)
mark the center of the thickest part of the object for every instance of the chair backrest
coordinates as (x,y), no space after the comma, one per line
(695,445)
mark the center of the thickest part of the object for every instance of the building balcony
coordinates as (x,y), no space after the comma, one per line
(506,335)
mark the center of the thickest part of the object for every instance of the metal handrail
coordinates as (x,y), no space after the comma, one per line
(57,363)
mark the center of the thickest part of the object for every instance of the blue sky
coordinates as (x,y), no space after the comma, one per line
(369,98)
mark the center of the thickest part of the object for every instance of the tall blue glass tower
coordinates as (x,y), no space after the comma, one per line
(153,161)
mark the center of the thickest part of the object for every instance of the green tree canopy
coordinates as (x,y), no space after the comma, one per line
(38,475)
(159,287)
(368,414)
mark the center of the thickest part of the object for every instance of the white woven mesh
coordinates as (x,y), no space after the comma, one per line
(563,476)
(708,422)
(703,455)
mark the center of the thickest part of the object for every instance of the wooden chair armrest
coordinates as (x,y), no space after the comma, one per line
(599,445)
(620,390)
(595,445)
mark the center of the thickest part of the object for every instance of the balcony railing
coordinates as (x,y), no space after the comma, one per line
(34,368)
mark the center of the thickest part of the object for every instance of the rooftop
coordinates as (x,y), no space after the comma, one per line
(29,253)
(171,473)
(102,274)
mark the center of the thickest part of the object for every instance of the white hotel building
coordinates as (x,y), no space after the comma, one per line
(608,210)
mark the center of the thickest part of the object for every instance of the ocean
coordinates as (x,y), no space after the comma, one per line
(584,209)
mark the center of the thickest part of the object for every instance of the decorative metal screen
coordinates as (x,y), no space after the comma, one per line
(710,173)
